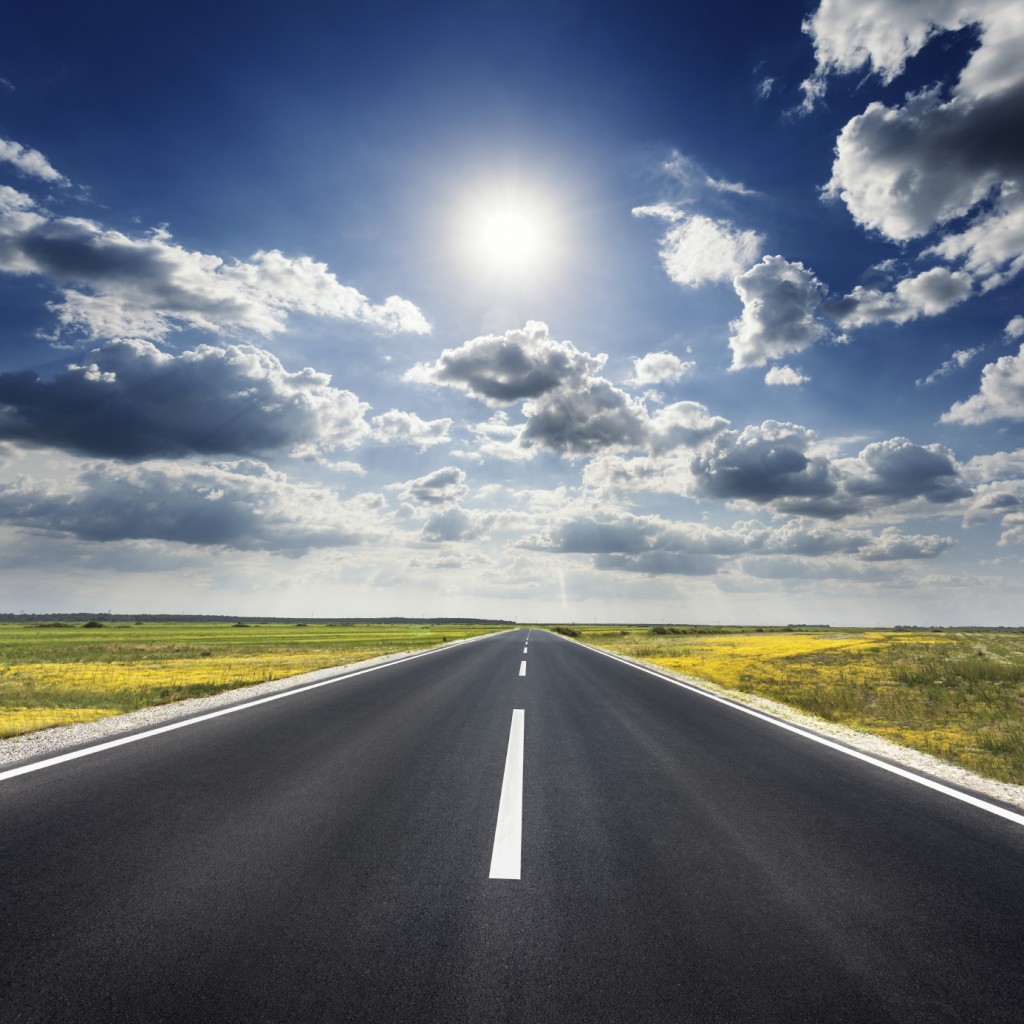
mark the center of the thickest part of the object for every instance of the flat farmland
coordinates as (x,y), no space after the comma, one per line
(58,673)
(955,694)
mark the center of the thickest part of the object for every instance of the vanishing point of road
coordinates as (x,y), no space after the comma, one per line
(515,828)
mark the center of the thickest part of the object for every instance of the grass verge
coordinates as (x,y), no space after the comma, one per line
(57,674)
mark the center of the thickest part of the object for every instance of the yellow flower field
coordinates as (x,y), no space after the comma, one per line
(958,695)
(57,675)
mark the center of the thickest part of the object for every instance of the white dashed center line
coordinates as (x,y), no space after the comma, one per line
(506,858)
(522,668)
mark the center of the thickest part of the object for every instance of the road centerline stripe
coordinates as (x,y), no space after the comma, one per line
(506,856)
(522,668)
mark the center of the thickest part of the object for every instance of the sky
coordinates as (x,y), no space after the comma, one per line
(560,311)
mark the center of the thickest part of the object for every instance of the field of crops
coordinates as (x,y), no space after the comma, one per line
(956,694)
(57,673)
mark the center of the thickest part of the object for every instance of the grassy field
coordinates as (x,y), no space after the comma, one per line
(956,694)
(54,673)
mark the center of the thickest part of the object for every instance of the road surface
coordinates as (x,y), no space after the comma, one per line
(338,855)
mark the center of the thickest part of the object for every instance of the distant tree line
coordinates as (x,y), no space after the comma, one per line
(392,620)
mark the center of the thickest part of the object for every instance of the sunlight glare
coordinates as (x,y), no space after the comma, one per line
(509,234)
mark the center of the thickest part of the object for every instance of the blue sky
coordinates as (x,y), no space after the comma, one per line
(548,311)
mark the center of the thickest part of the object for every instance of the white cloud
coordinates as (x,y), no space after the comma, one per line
(957,361)
(850,35)
(694,179)
(764,87)
(942,155)
(1015,328)
(698,250)
(29,162)
(786,376)
(659,368)
(683,425)
(115,285)
(928,294)
(397,427)
(1001,395)
(781,312)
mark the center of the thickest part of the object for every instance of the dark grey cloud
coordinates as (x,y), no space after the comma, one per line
(581,422)
(762,464)
(899,470)
(452,524)
(244,506)
(441,487)
(129,400)
(507,368)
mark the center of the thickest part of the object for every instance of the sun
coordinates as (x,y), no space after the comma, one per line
(509,234)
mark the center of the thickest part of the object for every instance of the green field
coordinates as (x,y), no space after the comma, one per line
(957,694)
(59,672)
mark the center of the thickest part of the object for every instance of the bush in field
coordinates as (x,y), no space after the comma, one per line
(567,631)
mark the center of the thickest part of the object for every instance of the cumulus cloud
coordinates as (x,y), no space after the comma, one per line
(443,486)
(941,155)
(957,361)
(587,419)
(397,427)
(927,294)
(506,368)
(1015,328)
(113,284)
(698,250)
(659,368)
(762,464)
(781,312)
(242,505)
(29,162)
(1001,395)
(130,400)
(782,466)
(568,407)
(898,469)
(786,376)
(850,35)
(453,525)
(683,425)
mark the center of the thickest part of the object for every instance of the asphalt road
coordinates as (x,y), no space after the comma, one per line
(328,857)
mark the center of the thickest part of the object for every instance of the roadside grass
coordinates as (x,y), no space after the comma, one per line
(52,675)
(955,694)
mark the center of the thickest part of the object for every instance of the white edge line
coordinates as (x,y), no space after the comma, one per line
(506,857)
(921,780)
(72,755)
